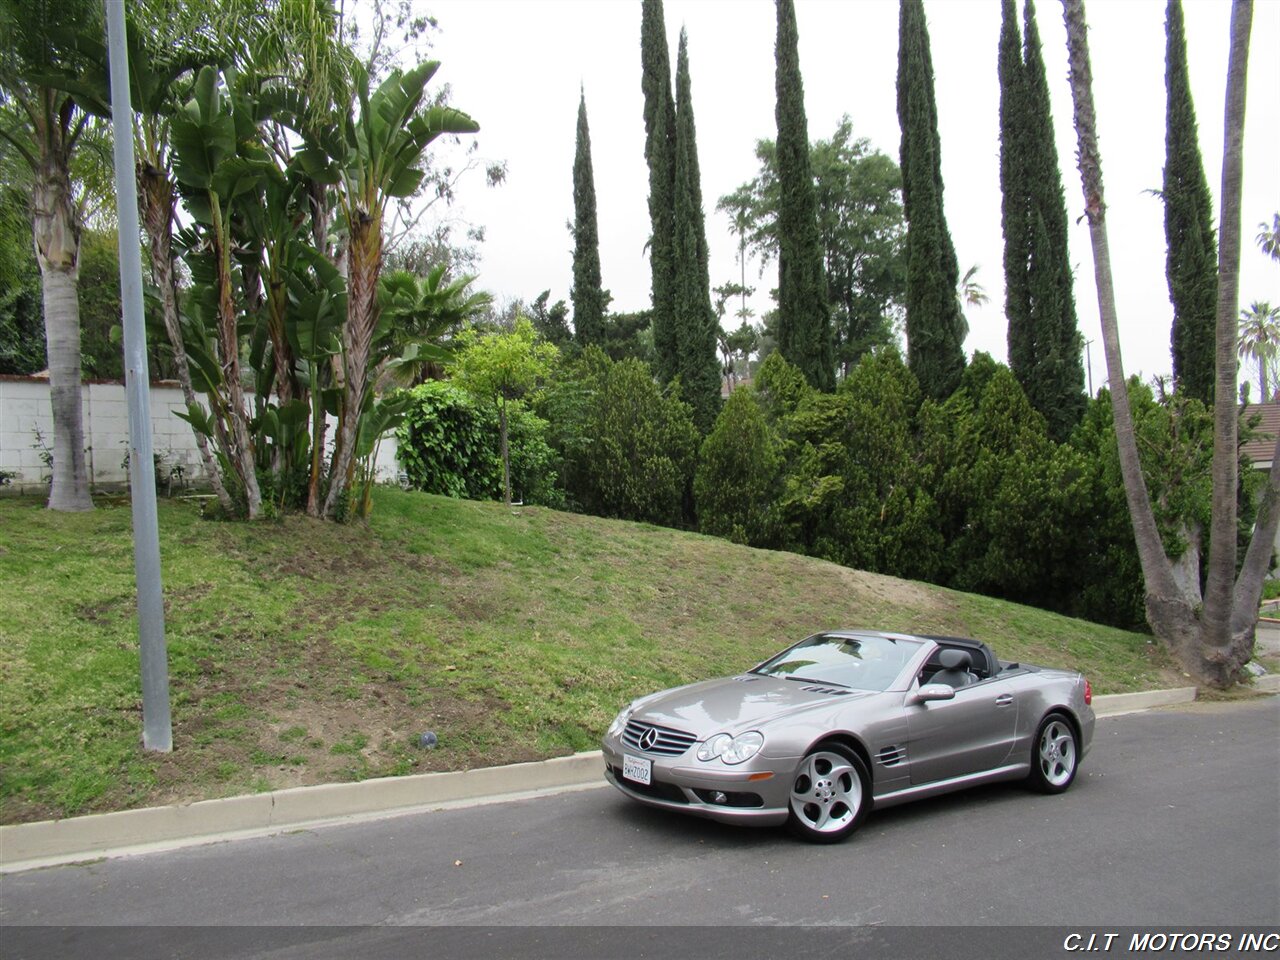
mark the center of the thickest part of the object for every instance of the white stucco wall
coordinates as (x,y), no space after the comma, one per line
(24,409)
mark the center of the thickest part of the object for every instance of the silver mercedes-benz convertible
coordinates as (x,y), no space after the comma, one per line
(846,721)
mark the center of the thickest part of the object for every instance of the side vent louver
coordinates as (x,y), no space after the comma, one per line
(891,756)
(746,678)
(830,691)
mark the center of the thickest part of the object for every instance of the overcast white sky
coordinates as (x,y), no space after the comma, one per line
(516,66)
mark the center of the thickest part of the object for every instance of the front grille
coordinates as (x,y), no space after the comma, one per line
(657,789)
(670,743)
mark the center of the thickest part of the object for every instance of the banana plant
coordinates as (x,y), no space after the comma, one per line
(218,165)
(371,157)
(318,304)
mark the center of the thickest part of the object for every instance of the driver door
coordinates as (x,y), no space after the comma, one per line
(972,733)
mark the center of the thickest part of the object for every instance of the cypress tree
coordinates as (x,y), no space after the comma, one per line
(695,320)
(1191,263)
(1044,335)
(587,295)
(936,327)
(659,152)
(804,324)
(1013,191)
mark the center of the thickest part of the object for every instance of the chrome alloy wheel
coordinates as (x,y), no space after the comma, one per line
(1057,753)
(827,793)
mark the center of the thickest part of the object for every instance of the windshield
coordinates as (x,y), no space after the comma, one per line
(863,663)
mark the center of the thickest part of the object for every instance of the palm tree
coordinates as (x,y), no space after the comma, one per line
(1269,237)
(972,293)
(419,312)
(1260,340)
(1212,636)
(54,47)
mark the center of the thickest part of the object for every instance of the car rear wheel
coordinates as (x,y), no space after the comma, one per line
(829,795)
(1055,755)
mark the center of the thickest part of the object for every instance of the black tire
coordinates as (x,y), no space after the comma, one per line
(1055,755)
(830,794)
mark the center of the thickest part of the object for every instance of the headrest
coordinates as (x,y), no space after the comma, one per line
(955,660)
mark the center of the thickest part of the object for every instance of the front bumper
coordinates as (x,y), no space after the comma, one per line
(685,785)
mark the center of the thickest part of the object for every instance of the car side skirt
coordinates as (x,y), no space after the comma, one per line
(1014,771)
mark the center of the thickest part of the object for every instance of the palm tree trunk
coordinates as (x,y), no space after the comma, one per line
(70,487)
(155,193)
(1156,569)
(1226,649)
(57,242)
(1212,645)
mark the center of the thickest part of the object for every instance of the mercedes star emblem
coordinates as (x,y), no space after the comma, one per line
(648,739)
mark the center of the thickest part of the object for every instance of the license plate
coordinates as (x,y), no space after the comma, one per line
(637,768)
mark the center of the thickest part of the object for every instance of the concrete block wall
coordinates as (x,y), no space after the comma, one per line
(25,409)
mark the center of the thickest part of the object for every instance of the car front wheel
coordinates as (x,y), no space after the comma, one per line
(829,795)
(1055,755)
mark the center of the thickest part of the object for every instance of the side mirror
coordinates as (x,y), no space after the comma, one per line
(935,691)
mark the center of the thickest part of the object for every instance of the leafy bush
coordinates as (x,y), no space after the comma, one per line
(448,444)
(737,478)
(628,448)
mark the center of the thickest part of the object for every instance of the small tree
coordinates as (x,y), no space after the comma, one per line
(504,367)
(737,479)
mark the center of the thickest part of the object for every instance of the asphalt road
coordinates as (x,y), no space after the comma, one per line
(1174,819)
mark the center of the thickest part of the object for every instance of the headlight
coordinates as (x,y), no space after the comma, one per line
(731,750)
(743,748)
(714,747)
(620,721)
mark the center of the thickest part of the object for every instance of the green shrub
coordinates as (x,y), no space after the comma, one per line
(448,444)
(737,478)
(628,448)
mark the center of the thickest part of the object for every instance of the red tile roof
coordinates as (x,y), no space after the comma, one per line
(1263,444)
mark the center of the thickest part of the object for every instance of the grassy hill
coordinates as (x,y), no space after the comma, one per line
(303,652)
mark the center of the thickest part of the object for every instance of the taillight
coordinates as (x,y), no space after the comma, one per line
(1088,693)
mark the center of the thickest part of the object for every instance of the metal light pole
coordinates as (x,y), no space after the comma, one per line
(157,730)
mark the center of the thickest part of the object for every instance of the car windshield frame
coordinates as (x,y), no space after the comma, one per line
(873,664)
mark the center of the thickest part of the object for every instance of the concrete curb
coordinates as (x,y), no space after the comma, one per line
(1118,704)
(26,846)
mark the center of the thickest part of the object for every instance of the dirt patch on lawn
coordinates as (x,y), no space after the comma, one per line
(255,727)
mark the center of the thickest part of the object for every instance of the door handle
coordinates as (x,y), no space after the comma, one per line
(1004,700)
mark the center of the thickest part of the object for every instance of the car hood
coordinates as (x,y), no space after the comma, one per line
(737,704)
